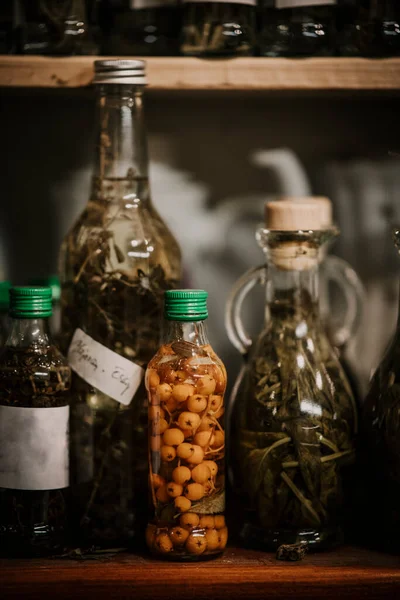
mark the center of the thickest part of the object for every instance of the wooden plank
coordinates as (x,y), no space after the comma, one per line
(349,573)
(252,74)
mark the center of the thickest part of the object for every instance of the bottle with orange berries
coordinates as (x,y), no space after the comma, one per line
(186,382)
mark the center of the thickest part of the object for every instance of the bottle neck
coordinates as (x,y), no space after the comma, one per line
(194,332)
(121,144)
(293,295)
(25,333)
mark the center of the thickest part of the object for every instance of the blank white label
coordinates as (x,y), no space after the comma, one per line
(34,448)
(296,3)
(104,369)
(248,2)
(139,4)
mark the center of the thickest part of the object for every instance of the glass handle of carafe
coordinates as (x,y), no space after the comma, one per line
(345,277)
(233,315)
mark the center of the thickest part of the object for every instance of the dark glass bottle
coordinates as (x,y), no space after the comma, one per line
(143,28)
(297,27)
(186,382)
(6,26)
(116,262)
(379,28)
(34,417)
(56,28)
(218,28)
(348,28)
(380,451)
(4,308)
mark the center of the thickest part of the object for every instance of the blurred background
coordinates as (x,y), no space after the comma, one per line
(215,159)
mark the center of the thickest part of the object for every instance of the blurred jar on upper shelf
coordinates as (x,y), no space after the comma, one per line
(369,28)
(297,27)
(54,28)
(141,27)
(219,28)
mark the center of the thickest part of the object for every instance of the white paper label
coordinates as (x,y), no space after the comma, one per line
(248,2)
(297,3)
(34,448)
(104,369)
(140,4)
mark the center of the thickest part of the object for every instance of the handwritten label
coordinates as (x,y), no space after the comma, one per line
(297,3)
(34,448)
(104,369)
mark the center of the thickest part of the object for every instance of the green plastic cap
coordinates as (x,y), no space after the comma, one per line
(53,282)
(185,305)
(4,295)
(30,302)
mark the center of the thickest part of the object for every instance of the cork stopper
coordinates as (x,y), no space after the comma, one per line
(325,206)
(293,216)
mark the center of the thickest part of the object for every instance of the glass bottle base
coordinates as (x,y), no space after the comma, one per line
(271,539)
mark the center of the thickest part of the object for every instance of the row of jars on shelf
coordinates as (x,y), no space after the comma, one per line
(201,28)
(148,426)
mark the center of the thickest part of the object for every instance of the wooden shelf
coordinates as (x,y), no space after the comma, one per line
(351,573)
(268,74)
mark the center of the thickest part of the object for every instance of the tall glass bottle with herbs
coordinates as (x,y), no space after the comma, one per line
(116,263)
(293,415)
(34,416)
(380,451)
(143,28)
(186,382)
(297,27)
(218,27)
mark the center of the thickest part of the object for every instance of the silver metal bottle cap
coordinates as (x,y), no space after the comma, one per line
(120,71)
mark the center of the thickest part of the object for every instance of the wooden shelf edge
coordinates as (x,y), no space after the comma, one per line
(251,74)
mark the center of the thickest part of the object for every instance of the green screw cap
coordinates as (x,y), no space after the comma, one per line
(4,295)
(30,302)
(53,282)
(185,305)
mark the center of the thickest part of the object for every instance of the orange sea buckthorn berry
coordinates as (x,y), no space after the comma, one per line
(188,420)
(152,379)
(197,456)
(219,439)
(223,537)
(163,544)
(188,433)
(212,539)
(164,392)
(215,403)
(157,481)
(207,424)
(219,521)
(162,426)
(212,466)
(219,413)
(206,385)
(204,439)
(189,520)
(155,443)
(174,489)
(181,475)
(196,544)
(150,535)
(185,450)
(197,403)
(201,473)
(173,437)
(168,453)
(171,405)
(162,494)
(182,504)
(194,491)
(178,535)
(182,391)
(206,522)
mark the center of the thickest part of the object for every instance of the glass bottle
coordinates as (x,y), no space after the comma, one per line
(52,282)
(116,263)
(297,27)
(218,28)
(292,416)
(380,451)
(379,28)
(143,28)
(186,382)
(348,28)
(4,307)
(34,415)
(48,27)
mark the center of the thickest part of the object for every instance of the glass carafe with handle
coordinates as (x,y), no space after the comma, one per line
(293,417)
